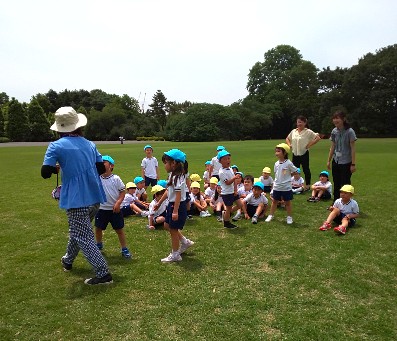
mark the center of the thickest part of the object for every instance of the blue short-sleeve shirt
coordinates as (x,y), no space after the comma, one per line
(81,185)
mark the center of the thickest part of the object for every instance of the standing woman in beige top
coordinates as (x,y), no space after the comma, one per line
(300,140)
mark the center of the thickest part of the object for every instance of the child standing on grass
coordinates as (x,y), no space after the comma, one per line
(344,211)
(321,189)
(150,167)
(229,187)
(282,187)
(176,166)
(157,216)
(110,212)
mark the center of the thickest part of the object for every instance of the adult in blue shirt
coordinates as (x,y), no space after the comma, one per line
(80,164)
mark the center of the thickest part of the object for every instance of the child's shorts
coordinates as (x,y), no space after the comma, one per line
(229,199)
(104,217)
(150,181)
(282,195)
(251,210)
(267,189)
(326,195)
(127,211)
(182,215)
(338,220)
(156,223)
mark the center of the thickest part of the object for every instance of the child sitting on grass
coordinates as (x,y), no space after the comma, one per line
(344,211)
(255,203)
(198,205)
(298,183)
(321,189)
(157,217)
(210,190)
(266,179)
(128,206)
(217,203)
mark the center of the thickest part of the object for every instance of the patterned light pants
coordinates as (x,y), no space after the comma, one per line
(82,237)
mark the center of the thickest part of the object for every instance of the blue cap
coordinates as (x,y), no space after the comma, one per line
(108,159)
(241,173)
(235,166)
(219,183)
(298,170)
(138,179)
(222,153)
(260,185)
(147,146)
(162,183)
(207,162)
(219,148)
(324,172)
(176,155)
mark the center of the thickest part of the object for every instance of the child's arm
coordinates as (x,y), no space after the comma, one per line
(177,202)
(231,180)
(116,206)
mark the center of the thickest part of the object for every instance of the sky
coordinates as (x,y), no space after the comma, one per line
(199,51)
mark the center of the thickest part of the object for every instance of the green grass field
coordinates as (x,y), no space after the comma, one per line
(259,282)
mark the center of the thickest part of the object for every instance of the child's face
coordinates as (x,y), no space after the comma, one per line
(195,190)
(297,176)
(345,196)
(247,184)
(212,185)
(149,152)
(323,178)
(207,167)
(279,154)
(131,190)
(169,165)
(234,170)
(219,189)
(257,191)
(140,184)
(225,161)
(108,166)
(265,175)
(239,179)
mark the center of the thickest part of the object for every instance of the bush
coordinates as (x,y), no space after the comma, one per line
(150,138)
(4,139)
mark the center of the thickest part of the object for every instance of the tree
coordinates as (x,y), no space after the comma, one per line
(1,123)
(39,125)
(18,125)
(158,108)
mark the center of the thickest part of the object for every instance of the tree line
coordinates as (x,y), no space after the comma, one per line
(280,87)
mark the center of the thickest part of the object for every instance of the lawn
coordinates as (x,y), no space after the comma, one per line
(269,281)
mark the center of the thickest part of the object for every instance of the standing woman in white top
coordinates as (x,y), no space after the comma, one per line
(300,140)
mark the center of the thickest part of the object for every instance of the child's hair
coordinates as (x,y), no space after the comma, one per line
(340,114)
(180,169)
(216,195)
(249,177)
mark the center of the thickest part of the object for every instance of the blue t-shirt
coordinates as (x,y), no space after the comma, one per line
(81,185)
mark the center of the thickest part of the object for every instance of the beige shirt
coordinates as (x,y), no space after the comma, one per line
(299,140)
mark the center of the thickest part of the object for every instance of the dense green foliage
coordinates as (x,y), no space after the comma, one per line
(280,87)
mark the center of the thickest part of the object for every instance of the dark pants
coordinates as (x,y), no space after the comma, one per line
(341,175)
(304,161)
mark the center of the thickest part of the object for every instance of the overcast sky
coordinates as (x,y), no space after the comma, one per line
(199,51)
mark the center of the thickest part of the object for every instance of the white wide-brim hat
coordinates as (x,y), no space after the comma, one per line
(68,120)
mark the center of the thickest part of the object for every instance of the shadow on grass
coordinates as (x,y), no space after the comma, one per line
(191,263)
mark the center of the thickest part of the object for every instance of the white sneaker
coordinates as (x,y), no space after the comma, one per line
(185,246)
(237,216)
(269,218)
(208,214)
(254,220)
(289,220)
(204,214)
(144,213)
(170,258)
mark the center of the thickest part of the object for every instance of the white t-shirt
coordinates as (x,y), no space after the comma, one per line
(251,200)
(139,192)
(216,166)
(209,192)
(282,172)
(242,192)
(180,186)
(350,208)
(224,175)
(327,184)
(128,199)
(297,182)
(160,210)
(150,166)
(206,176)
(266,182)
(112,186)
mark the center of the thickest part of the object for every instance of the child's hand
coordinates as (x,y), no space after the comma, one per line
(246,216)
(175,216)
(116,208)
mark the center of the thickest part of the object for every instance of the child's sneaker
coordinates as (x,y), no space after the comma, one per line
(254,219)
(125,253)
(150,227)
(289,220)
(316,199)
(66,266)
(207,214)
(229,225)
(340,229)
(237,216)
(219,218)
(144,213)
(100,246)
(325,226)
(171,258)
(269,218)
(107,279)
(311,199)
(185,246)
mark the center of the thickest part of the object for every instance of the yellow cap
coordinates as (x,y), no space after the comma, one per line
(130,185)
(157,188)
(195,177)
(267,170)
(214,180)
(195,184)
(284,146)
(348,189)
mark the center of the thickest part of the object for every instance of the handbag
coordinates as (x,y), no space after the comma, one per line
(56,192)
